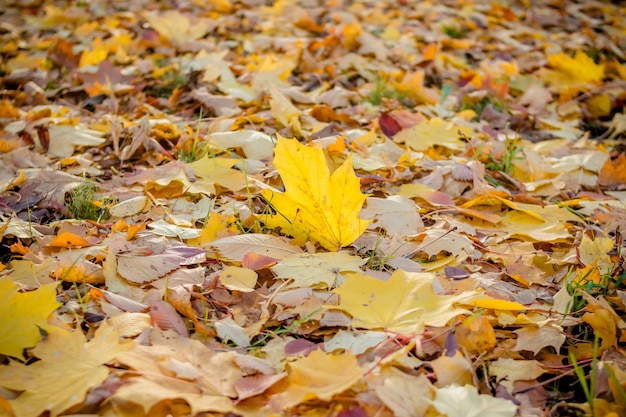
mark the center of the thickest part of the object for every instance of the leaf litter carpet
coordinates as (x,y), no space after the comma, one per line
(341,208)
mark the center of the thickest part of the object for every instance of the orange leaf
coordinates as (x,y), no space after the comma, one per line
(133,229)
(613,172)
(476,334)
(430,52)
(66,240)
(119,226)
(18,247)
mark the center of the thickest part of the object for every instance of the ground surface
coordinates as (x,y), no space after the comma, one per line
(312,208)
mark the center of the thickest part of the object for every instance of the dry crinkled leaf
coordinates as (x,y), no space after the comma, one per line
(406,303)
(217,171)
(229,331)
(24,316)
(455,369)
(455,400)
(317,376)
(315,203)
(440,240)
(318,269)
(177,27)
(395,214)
(256,145)
(283,109)
(234,248)
(156,389)
(69,366)
(163,228)
(406,395)
(213,379)
(19,228)
(510,370)
(63,139)
(597,251)
(533,338)
(31,275)
(603,326)
(356,342)
(476,334)
(140,268)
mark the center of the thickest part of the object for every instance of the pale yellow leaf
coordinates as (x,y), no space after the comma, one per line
(435,132)
(406,303)
(510,370)
(319,269)
(238,279)
(454,400)
(406,395)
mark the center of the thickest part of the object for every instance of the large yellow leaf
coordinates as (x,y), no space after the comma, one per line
(23,316)
(315,204)
(406,303)
(571,72)
(319,375)
(68,368)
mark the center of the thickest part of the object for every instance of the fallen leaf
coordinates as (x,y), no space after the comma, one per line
(572,72)
(317,270)
(613,172)
(238,279)
(234,248)
(67,357)
(316,376)
(395,214)
(455,400)
(534,338)
(315,203)
(406,303)
(405,395)
(24,316)
(434,132)
(508,371)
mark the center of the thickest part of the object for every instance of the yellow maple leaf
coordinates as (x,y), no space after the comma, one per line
(572,72)
(95,56)
(597,250)
(319,375)
(433,132)
(216,171)
(68,368)
(413,86)
(315,204)
(406,303)
(23,316)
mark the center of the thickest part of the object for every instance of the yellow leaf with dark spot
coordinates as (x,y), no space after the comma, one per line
(24,315)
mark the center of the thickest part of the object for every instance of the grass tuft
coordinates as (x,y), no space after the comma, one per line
(81,203)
